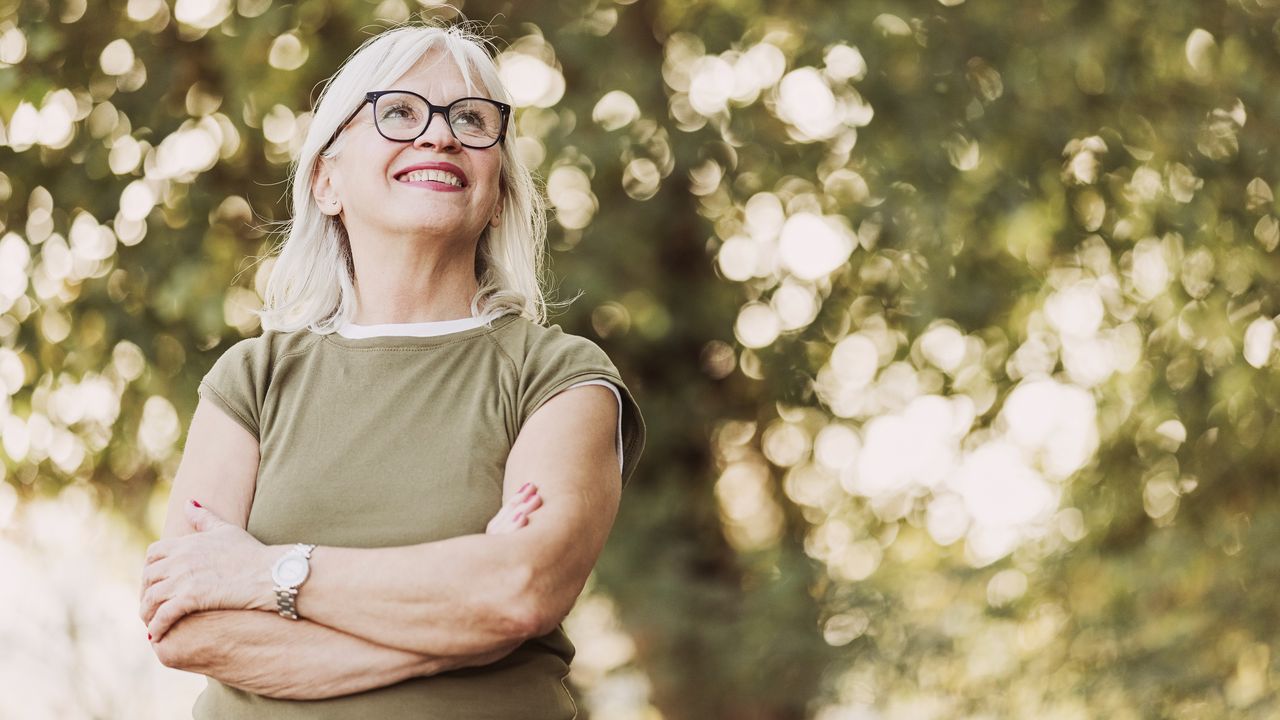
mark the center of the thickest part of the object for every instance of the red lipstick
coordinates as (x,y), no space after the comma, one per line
(447,167)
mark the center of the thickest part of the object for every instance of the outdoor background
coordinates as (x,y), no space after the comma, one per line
(953,324)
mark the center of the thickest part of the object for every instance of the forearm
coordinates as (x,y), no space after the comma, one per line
(266,654)
(460,596)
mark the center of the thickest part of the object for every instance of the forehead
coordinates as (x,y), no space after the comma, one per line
(437,77)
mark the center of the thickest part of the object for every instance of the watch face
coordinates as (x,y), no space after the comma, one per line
(291,570)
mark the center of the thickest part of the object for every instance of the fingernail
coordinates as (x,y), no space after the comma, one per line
(519,515)
(196,503)
(523,487)
(148,636)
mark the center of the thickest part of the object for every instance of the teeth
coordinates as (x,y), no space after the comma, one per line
(438,175)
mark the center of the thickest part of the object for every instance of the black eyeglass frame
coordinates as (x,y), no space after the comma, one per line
(372,98)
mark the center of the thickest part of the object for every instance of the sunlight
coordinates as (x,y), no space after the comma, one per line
(812,246)
(806,102)
(117,57)
(710,85)
(530,80)
(137,200)
(202,14)
(615,110)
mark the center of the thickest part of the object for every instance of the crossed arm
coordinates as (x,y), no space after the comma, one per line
(382,615)
(266,654)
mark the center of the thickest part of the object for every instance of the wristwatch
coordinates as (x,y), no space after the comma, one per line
(289,572)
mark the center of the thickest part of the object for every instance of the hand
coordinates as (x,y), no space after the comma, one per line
(220,566)
(515,514)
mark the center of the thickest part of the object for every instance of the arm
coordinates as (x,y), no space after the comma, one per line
(266,654)
(260,651)
(472,593)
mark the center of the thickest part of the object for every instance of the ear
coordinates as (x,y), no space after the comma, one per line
(323,190)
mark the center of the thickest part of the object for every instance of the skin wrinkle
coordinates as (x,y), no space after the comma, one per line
(419,242)
(560,550)
(483,590)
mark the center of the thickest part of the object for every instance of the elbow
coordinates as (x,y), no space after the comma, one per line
(534,623)
(535,606)
(516,604)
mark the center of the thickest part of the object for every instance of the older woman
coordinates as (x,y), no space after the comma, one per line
(390,499)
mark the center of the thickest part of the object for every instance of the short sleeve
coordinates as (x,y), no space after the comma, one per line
(237,383)
(617,394)
(571,359)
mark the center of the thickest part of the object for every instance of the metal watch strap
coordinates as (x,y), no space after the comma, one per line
(287,597)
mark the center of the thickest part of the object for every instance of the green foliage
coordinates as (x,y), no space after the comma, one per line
(818,219)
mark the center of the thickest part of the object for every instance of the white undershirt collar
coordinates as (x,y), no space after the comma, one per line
(444,327)
(427,328)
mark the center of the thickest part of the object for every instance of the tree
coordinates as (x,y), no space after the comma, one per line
(953,323)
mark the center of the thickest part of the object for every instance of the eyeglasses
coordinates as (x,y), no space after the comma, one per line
(403,116)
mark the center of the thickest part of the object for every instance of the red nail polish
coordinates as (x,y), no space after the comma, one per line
(148,636)
(196,503)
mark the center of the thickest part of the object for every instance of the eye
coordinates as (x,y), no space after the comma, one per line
(469,117)
(398,110)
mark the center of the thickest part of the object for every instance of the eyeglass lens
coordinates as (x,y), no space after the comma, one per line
(474,121)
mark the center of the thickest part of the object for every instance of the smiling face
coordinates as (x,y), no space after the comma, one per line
(364,186)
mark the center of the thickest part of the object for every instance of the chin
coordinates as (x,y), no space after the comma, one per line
(432,228)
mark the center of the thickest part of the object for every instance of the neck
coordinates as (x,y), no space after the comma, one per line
(412,282)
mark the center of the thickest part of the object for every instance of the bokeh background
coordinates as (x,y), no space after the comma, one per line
(953,323)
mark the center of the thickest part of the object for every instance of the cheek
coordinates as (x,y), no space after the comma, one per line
(495,187)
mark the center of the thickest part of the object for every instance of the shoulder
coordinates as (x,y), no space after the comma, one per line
(531,344)
(266,350)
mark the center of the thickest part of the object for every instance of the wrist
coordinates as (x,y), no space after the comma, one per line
(264,593)
(289,572)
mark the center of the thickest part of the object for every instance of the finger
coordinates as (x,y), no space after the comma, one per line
(528,506)
(526,492)
(523,508)
(504,522)
(152,599)
(169,613)
(154,573)
(522,497)
(498,525)
(509,509)
(504,519)
(498,518)
(147,581)
(157,551)
(202,518)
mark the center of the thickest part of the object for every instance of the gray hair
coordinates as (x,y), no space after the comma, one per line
(312,280)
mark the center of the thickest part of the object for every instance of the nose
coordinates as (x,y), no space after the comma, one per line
(438,134)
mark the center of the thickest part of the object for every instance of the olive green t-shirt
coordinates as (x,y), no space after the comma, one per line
(388,441)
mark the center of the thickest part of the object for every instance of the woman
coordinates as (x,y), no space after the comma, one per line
(405,480)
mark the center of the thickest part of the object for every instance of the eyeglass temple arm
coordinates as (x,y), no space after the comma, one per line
(350,117)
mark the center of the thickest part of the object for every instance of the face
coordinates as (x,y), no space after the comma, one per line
(361,185)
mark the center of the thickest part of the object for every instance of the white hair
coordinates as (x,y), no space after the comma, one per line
(312,281)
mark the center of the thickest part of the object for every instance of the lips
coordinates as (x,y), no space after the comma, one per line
(447,167)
